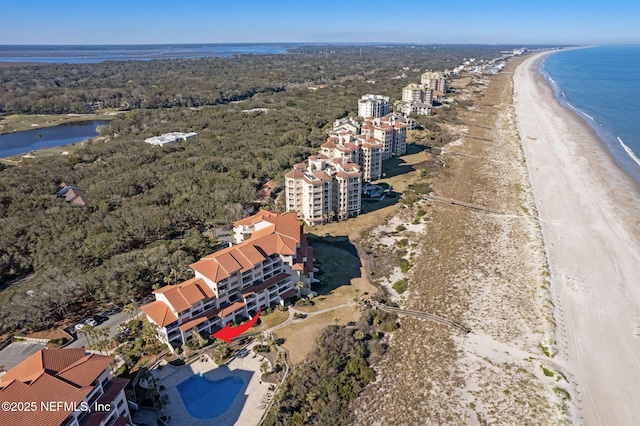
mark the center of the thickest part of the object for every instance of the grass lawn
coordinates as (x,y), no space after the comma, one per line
(300,337)
(399,173)
(342,279)
(268,321)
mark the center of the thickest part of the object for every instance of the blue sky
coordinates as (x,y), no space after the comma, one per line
(412,21)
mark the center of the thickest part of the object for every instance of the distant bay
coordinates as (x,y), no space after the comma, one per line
(76,54)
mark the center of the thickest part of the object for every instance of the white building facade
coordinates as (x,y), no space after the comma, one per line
(323,189)
(373,106)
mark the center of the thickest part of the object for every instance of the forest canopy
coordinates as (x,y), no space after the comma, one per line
(152,209)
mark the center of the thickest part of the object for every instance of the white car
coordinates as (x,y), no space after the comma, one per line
(79,325)
(91,322)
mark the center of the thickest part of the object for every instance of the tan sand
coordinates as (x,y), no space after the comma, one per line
(590,216)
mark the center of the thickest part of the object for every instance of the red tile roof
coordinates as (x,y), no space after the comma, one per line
(182,296)
(160,313)
(289,293)
(50,361)
(190,324)
(231,309)
(265,284)
(63,375)
(281,235)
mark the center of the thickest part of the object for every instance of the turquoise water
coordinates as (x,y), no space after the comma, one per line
(602,84)
(206,399)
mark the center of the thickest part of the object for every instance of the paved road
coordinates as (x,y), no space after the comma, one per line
(112,323)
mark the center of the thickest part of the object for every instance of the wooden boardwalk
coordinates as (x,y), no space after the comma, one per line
(421,315)
(461,203)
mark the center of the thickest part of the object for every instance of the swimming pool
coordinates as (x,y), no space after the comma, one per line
(206,399)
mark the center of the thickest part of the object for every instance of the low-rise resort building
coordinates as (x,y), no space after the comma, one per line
(68,387)
(270,263)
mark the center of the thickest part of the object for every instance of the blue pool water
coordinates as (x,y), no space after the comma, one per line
(206,399)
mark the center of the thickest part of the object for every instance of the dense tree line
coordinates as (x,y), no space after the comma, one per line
(319,391)
(79,88)
(152,209)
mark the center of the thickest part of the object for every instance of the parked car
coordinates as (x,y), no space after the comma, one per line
(79,325)
(91,322)
(101,318)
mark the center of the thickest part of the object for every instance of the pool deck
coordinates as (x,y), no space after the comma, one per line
(246,409)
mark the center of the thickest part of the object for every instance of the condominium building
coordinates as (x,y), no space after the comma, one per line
(373,106)
(434,81)
(263,269)
(322,188)
(417,93)
(390,131)
(359,149)
(345,125)
(68,387)
(417,108)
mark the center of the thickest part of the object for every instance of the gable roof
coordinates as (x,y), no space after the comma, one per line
(160,313)
(183,295)
(50,375)
(43,390)
(45,361)
(277,233)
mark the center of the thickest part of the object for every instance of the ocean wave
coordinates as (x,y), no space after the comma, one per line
(629,151)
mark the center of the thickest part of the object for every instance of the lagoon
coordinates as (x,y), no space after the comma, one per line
(46,137)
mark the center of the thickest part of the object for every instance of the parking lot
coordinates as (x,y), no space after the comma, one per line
(16,352)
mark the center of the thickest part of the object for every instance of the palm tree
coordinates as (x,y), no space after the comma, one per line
(84,331)
(149,334)
(131,309)
(102,335)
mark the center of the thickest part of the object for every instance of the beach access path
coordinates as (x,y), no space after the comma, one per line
(589,211)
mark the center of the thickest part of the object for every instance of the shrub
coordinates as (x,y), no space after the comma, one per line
(400,228)
(134,324)
(400,286)
(121,370)
(402,243)
(404,266)
(261,348)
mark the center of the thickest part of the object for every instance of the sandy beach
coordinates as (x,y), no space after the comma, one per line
(589,211)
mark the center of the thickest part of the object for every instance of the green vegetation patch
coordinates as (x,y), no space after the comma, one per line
(400,286)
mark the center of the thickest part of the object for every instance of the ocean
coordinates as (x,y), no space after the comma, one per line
(91,54)
(602,85)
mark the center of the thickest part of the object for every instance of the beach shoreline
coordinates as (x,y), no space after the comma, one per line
(621,153)
(589,211)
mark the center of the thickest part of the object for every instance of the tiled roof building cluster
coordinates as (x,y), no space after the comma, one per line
(322,189)
(435,81)
(328,186)
(418,98)
(270,257)
(64,387)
